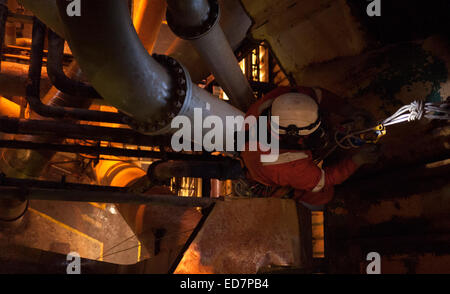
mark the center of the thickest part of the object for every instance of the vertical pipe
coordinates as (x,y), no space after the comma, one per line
(213,47)
(147,21)
(198,22)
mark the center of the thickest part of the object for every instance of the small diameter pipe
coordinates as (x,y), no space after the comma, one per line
(21,193)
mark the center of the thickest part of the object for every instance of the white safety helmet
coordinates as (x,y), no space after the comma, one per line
(298,114)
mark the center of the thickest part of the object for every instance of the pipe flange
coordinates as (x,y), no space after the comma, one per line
(191,33)
(180,90)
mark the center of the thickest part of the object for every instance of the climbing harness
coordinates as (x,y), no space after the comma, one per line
(347,139)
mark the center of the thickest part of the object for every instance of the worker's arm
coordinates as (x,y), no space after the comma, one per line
(304,174)
(323,191)
(315,185)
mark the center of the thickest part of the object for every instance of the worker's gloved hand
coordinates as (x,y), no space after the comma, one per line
(367,155)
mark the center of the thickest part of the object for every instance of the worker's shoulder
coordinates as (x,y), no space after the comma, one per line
(289,158)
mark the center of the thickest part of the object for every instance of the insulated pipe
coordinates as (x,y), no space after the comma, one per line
(147,21)
(198,21)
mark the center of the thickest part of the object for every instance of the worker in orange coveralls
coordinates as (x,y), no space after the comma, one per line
(303,115)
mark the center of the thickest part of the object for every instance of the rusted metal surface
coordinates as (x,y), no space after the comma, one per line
(402,215)
(245,235)
(302,32)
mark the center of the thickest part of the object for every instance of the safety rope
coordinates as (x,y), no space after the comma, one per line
(411,112)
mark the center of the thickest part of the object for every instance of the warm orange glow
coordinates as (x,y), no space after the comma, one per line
(318,234)
(9,108)
(147,20)
(117,173)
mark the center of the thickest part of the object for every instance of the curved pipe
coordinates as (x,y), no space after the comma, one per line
(114,60)
(121,70)
(56,73)
(56,111)
(110,54)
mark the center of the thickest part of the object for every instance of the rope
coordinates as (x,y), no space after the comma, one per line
(411,112)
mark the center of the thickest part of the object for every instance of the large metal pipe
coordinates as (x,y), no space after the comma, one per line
(198,21)
(235,24)
(147,21)
(111,55)
(109,52)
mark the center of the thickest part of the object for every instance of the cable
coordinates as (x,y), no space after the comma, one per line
(414,111)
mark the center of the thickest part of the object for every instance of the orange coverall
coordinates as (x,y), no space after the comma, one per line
(296,168)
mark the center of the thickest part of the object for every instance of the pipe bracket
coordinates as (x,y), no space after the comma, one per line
(191,33)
